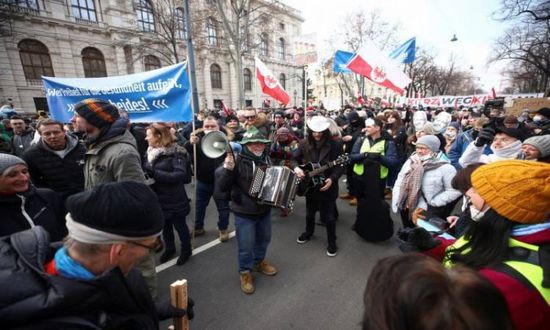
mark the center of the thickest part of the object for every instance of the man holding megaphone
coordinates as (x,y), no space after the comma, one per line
(204,171)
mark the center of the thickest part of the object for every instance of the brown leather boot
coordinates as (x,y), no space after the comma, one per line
(265,268)
(247,282)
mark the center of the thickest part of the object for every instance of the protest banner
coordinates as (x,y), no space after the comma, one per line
(449,101)
(154,96)
(532,104)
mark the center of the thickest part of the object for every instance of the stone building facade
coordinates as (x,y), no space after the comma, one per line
(98,38)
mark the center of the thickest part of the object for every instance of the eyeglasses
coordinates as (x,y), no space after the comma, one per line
(250,117)
(157,247)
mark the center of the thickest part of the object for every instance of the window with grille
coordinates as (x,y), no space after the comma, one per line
(36,61)
(281,49)
(216,76)
(181,31)
(84,9)
(151,62)
(264,45)
(247,80)
(211,32)
(93,62)
(33,4)
(282,80)
(145,16)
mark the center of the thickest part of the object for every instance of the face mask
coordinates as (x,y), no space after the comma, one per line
(476,214)
(425,157)
(537,119)
(450,134)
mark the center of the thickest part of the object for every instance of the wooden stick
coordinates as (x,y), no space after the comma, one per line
(178,298)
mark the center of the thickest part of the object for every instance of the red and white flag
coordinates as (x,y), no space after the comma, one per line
(270,85)
(376,66)
(360,99)
(225,109)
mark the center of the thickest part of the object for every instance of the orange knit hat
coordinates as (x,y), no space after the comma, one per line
(516,189)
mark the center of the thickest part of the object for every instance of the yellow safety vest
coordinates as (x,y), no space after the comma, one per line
(532,272)
(378,147)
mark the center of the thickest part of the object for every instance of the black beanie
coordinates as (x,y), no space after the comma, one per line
(125,208)
(98,113)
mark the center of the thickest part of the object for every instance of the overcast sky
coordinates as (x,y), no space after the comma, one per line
(432,22)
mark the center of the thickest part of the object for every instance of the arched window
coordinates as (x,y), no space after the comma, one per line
(211,32)
(84,9)
(36,61)
(282,80)
(93,62)
(247,74)
(264,45)
(281,49)
(151,62)
(216,76)
(181,31)
(33,4)
(145,16)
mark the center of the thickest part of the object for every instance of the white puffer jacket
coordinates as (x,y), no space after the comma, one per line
(436,186)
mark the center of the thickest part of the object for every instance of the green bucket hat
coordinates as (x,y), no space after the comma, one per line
(253,135)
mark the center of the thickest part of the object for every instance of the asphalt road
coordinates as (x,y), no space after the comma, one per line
(311,290)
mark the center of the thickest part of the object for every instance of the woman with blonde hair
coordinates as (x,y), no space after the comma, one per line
(167,164)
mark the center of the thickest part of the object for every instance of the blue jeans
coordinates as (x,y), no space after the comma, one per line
(204,193)
(253,237)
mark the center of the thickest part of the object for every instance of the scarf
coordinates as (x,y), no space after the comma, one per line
(412,181)
(153,153)
(69,268)
(511,151)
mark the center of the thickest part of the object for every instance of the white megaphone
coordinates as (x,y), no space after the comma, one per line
(215,144)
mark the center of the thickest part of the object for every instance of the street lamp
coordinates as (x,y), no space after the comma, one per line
(454,38)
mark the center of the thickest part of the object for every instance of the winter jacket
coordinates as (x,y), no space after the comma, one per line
(22,142)
(169,170)
(436,189)
(39,206)
(528,309)
(44,301)
(460,144)
(328,152)
(64,175)
(113,159)
(237,182)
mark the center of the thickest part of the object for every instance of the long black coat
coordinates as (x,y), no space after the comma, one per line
(169,170)
(328,152)
(63,175)
(39,300)
(43,206)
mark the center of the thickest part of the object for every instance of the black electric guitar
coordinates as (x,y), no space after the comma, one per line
(314,174)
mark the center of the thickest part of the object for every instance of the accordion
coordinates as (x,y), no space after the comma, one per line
(274,185)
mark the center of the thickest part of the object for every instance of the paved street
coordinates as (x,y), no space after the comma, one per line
(311,290)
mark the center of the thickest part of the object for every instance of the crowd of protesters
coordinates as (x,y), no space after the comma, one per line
(478,174)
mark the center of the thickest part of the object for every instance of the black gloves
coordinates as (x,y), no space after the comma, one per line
(165,310)
(486,136)
(372,156)
(416,239)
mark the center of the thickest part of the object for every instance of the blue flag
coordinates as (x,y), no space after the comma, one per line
(341,58)
(158,95)
(406,53)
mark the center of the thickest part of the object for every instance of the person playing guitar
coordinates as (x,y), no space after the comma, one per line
(319,147)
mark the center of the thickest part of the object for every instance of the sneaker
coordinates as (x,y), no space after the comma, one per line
(332,250)
(247,282)
(265,268)
(304,238)
(346,196)
(198,232)
(167,255)
(224,235)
